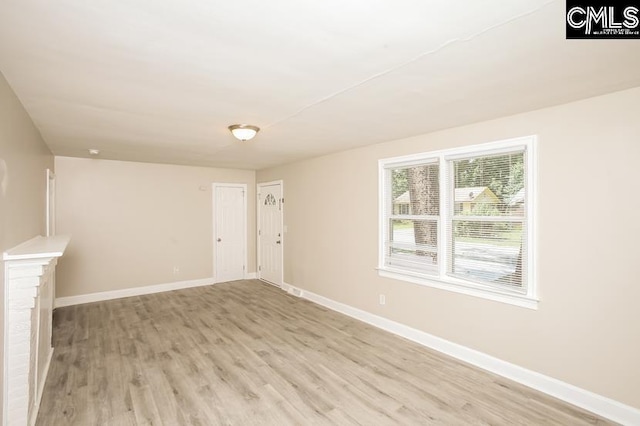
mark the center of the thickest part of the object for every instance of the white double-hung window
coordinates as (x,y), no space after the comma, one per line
(462,220)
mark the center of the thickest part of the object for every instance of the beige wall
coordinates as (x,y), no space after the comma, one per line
(24,159)
(587,329)
(131,223)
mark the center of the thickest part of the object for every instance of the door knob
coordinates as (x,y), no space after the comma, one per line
(278,242)
(219,239)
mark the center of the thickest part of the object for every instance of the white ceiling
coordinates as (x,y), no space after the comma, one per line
(160,80)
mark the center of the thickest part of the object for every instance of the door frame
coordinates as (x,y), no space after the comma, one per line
(51,204)
(214,188)
(259,218)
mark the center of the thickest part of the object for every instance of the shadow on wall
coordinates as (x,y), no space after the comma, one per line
(4,177)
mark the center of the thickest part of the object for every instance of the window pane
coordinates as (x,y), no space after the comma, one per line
(489,252)
(413,244)
(415,190)
(484,226)
(489,186)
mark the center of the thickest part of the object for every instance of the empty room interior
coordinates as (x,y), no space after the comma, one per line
(326,213)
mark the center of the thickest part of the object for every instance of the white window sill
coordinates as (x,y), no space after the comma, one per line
(516,299)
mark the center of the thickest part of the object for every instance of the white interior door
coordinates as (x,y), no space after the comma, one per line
(270,239)
(229,235)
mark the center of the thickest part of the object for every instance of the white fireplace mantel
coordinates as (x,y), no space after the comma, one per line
(29,292)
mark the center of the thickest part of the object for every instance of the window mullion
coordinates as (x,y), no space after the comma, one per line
(413,217)
(443,238)
(518,219)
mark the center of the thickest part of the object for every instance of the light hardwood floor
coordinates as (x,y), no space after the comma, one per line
(246,353)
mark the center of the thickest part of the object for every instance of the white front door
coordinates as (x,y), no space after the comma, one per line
(270,232)
(229,233)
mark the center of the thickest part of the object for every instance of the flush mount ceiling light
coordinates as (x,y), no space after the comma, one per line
(244,132)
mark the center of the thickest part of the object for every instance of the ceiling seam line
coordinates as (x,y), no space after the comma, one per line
(410,61)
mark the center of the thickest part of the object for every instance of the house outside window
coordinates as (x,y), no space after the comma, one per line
(462,220)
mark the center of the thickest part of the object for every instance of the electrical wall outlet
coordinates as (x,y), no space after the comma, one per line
(383,299)
(176,270)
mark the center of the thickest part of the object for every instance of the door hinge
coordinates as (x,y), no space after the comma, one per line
(243,268)
(259,268)
(259,232)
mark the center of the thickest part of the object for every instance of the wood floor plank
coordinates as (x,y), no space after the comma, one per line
(246,353)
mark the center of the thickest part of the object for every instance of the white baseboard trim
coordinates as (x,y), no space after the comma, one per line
(128,292)
(598,404)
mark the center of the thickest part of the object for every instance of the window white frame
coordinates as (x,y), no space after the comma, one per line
(518,297)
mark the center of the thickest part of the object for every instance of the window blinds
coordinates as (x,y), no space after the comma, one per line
(413,214)
(486,223)
(472,206)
